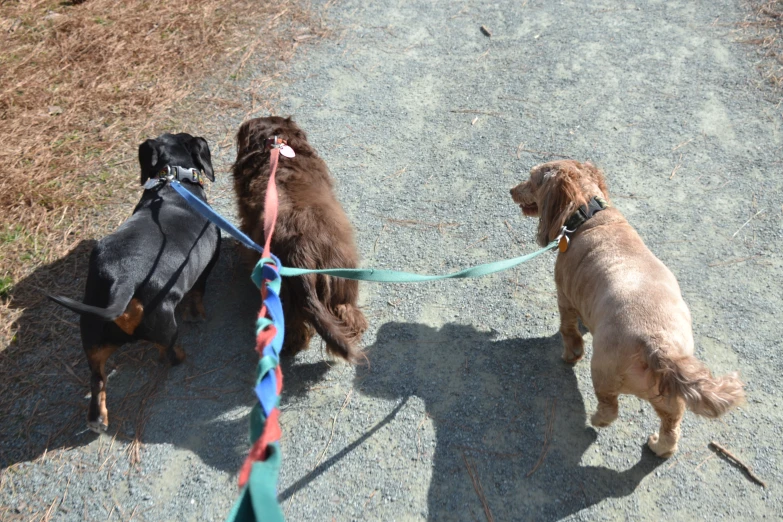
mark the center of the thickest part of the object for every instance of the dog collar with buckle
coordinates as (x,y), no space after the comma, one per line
(173,172)
(278,143)
(578,218)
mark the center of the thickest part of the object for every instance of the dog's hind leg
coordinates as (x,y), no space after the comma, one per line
(606,384)
(98,414)
(193,311)
(573,344)
(670,410)
(166,342)
(297,331)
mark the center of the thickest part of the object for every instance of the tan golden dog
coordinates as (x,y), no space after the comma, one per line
(627,298)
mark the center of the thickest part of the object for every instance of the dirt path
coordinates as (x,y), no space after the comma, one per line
(466,408)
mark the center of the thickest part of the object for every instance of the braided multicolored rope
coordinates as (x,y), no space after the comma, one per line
(258,475)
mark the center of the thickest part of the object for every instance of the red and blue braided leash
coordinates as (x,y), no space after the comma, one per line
(258,475)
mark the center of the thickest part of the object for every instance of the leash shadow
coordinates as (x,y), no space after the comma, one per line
(506,412)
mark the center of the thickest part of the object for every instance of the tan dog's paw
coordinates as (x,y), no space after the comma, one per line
(603,417)
(573,348)
(660,447)
(573,357)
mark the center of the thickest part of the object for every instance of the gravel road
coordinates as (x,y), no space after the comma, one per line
(465,408)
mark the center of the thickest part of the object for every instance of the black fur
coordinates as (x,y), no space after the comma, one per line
(162,252)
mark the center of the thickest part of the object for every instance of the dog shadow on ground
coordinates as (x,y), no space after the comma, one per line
(507,412)
(43,369)
(200,405)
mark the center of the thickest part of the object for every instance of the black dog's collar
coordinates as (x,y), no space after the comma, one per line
(174,172)
(578,218)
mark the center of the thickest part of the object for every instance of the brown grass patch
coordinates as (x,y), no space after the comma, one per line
(765,29)
(82,85)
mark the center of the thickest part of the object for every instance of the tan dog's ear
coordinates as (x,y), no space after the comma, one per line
(561,196)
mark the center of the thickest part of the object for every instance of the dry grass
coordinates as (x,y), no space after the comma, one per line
(82,85)
(765,29)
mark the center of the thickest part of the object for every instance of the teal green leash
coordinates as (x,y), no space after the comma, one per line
(359,274)
(394,276)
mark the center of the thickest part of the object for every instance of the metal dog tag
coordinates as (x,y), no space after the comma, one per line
(562,245)
(151,183)
(287,151)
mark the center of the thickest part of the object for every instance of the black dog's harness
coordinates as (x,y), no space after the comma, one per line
(171,173)
(578,218)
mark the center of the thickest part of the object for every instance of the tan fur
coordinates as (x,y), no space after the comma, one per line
(131,317)
(630,302)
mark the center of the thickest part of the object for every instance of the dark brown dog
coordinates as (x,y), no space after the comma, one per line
(312,231)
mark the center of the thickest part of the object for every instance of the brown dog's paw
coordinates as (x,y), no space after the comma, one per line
(660,447)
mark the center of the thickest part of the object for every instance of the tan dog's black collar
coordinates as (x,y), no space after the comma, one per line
(578,218)
(585,212)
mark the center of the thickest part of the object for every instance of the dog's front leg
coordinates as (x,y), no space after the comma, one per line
(573,345)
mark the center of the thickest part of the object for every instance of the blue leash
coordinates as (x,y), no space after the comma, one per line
(359,274)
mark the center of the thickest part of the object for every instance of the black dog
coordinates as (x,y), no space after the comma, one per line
(140,273)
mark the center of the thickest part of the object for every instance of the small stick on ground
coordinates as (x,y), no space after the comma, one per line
(676,167)
(477,242)
(471,111)
(334,423)
(748,221)
(733,458)
(485,31)
(704,461)
(479,489)
(550,426)
(734,261)
(375,245)
(684,143)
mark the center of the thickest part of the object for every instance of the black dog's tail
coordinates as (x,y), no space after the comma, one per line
(341,331)
(110,313)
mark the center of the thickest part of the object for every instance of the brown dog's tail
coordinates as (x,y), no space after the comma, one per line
(689,378)
(341,329)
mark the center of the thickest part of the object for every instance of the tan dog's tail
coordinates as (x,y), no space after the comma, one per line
(341,329)
(689,378)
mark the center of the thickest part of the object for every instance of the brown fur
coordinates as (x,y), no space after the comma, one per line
(630,302)
(312,231)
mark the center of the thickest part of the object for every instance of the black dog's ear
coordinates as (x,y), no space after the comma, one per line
(199,151)
(148,158)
